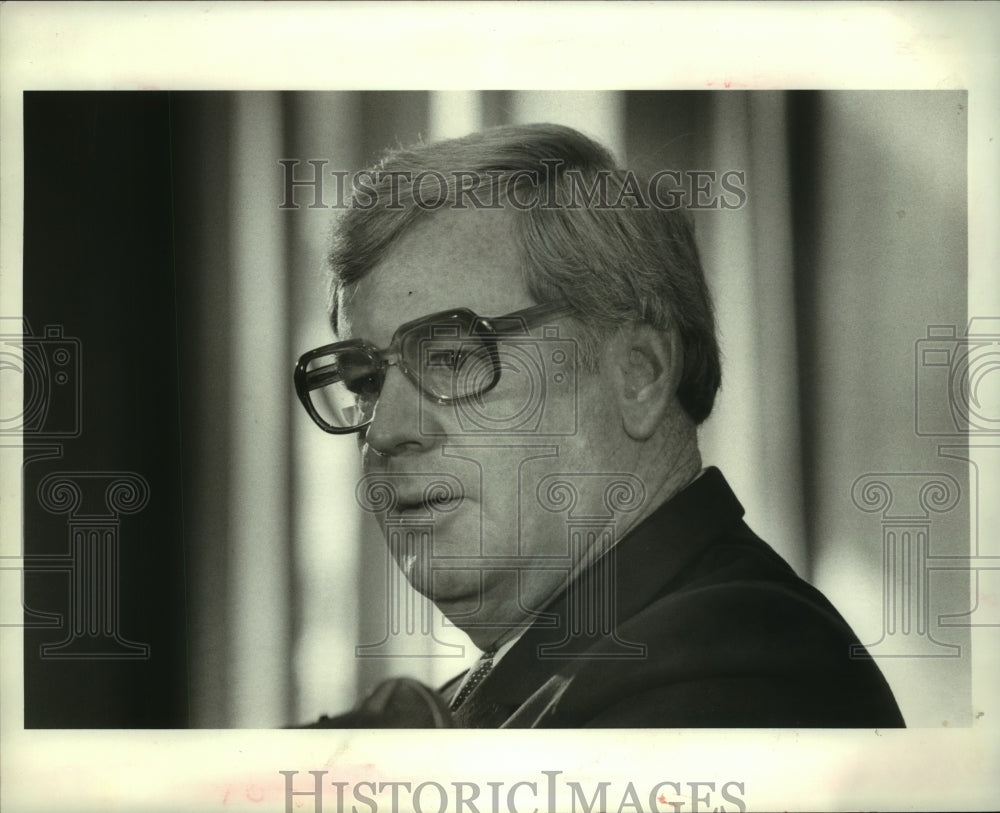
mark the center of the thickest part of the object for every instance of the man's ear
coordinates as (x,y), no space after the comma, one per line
(644,366)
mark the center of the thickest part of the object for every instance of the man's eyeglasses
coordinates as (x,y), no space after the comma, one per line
(450,356)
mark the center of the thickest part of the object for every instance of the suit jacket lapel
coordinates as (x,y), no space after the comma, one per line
(647,562)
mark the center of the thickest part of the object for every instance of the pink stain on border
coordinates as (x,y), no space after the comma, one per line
(271,788)
(727,83)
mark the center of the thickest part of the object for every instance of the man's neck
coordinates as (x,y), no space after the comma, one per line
(663,483)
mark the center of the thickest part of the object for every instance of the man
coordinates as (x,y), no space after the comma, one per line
(526,347)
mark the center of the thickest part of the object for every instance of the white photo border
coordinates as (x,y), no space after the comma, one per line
(180,46)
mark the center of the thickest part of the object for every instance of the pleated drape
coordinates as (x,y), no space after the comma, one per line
(851,242)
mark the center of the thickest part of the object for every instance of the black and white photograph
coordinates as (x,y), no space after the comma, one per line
(637,427)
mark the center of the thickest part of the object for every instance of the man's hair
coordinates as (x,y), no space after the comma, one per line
(585,242)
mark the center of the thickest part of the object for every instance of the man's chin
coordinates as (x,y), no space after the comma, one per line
(453,595)
(471,604)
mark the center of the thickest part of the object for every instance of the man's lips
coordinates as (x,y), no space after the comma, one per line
(421,505)
(423,502)
(409,493)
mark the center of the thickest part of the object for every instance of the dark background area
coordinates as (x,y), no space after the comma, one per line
(99,264)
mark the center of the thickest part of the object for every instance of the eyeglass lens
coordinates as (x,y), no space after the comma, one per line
(344,385)
(442,360)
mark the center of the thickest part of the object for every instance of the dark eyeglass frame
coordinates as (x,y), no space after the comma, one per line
(490,329)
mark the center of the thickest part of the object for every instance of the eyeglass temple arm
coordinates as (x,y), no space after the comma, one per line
(516,323)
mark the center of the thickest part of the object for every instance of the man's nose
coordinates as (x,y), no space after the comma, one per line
(403,420)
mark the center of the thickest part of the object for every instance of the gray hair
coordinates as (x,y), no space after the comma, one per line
(610,264)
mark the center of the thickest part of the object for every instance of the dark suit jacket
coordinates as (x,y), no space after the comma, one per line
(705,626)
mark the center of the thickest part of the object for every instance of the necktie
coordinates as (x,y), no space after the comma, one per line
(475,678)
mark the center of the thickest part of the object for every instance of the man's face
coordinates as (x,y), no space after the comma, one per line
(564,421)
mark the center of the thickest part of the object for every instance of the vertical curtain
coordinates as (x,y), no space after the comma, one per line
(851,242)
(234,307)
(881,259)
(748,254)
